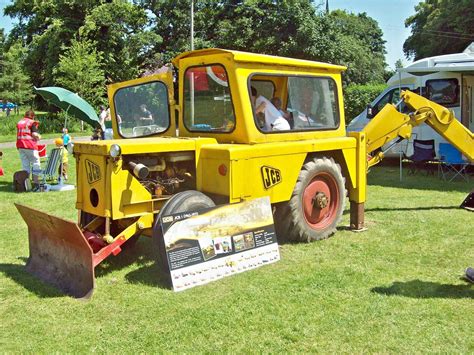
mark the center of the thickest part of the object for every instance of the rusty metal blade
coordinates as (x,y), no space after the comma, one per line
(59,253)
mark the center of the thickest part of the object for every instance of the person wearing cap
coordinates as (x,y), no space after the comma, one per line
(63,167)
(27,138)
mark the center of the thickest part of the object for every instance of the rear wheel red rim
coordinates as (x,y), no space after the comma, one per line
(322,188)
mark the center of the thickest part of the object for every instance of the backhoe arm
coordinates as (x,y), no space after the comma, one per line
(389,124)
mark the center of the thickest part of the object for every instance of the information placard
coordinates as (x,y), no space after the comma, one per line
(208,245)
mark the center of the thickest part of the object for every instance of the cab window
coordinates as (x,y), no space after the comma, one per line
(207,100)
(264,87)
(142,110)
(310,104)
(443,91)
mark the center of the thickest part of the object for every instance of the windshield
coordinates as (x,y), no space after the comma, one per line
(142,110)
(207,100)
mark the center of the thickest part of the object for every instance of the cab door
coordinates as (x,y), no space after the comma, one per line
(143,107)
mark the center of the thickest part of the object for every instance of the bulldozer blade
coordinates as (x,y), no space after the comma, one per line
(468,202)
(59,253)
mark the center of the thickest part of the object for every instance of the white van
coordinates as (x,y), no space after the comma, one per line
(445,79)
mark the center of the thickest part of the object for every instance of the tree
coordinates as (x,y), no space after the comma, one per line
(399,64)
(15,85)
(2,41)
(439,27)
(291,28)
(117,27)
(46,27)
(357,43)
(120,32)
(80,70)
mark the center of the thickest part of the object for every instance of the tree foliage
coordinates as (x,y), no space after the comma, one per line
(356,98)
(439,27)
(120,39)
(80,70)
(117,27)
(46,27)
(120,32)
(293,28)
(15,84)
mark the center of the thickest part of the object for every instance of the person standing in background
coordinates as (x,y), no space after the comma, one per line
(63,166)
(102,118)
(65,137)
(27,144)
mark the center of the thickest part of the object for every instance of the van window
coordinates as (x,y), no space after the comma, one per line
(207,100)
(391,97)
(142,110)
(443,91)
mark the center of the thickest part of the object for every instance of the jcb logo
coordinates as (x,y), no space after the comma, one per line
(167,219)
(270,176)
(92,171)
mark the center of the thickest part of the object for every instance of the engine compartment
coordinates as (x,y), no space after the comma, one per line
(163,174)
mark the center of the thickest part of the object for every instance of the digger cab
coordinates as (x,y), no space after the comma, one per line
(208,93)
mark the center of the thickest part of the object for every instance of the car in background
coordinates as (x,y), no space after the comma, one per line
(9,105)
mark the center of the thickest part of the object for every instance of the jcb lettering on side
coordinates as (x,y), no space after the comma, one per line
(270,176)
(92,171)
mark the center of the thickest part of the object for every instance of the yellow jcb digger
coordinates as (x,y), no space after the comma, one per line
(241,126)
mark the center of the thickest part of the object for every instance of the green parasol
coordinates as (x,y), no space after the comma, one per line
(70,102)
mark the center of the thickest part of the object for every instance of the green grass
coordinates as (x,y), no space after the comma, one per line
(394,288)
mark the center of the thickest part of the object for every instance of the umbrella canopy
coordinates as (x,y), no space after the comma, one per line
(70,102)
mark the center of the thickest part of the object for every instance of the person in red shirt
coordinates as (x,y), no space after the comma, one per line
(26,143)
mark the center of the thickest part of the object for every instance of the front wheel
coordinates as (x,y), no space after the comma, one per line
(185,201)
(317,202)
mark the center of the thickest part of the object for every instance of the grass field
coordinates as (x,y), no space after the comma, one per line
(394,288)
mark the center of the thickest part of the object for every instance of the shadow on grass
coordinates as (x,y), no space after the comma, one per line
(377,209)
(150,275)
(147,272)
(426,289)
(7,187)
(19,274)
(141,254)
(389,177)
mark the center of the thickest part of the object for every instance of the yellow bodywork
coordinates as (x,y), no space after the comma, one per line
(245,163)
(390,124)
(124,183)
(246,152)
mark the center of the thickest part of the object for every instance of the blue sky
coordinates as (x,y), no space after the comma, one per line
(390,14)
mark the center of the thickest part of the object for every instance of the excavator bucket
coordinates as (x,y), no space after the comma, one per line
(59,253)
(468,202)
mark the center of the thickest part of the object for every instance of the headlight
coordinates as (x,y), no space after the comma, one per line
(70,147)
(115,151)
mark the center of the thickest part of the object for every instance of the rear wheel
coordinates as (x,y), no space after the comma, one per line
(185,201)
(317,202)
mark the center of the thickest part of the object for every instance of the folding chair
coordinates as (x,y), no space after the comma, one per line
(452,163)
(51,170)
(423,155)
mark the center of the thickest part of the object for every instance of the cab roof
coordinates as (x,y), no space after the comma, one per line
(246,57)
